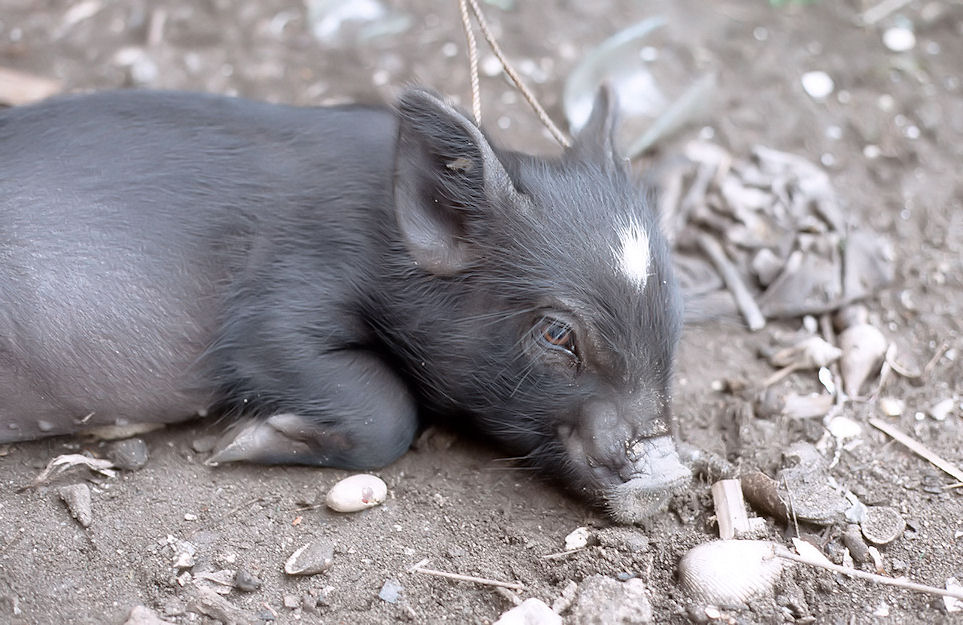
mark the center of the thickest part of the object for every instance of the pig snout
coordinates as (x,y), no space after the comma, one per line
(629,461)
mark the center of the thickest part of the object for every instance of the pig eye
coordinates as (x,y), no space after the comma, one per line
(556,334)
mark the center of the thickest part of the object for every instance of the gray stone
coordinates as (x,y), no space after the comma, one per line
(391,591)
(129,454)
(605,601)
(530,612)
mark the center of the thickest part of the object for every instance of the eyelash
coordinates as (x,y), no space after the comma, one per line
(557,335)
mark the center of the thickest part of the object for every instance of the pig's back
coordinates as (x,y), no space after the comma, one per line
(124,217)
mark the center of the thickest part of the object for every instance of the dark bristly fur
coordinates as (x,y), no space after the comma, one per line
(326,277)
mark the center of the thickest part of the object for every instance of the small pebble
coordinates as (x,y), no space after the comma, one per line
(204,444)
(391,591)
(604,600)
(532,611)
(853,540)
(357,492)
(899,39)
(141,615)
(817,84)
(952,604)
(130,454)
(311,559)
(882,525)
(577,539)
(245,582)
(844,428)
(291,602)
(77,498)
(941,410)
(891,406)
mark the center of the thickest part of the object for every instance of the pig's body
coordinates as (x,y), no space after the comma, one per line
(324,276)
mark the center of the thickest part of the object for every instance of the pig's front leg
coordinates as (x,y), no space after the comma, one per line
(355,414)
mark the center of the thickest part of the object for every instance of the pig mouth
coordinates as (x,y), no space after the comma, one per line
(653,473)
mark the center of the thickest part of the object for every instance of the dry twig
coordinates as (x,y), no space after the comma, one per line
(880,579)
(516,79)
(918,448)
(419,568)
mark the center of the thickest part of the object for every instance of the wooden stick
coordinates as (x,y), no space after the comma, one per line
(750,310)
(881,579)
(918,448)
(730,509)
(561,554)
(418,568)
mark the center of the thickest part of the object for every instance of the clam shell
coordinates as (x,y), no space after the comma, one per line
(356,493)
(863,349)
(729,573)
(311,559)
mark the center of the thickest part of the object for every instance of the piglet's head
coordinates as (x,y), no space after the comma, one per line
(559,316)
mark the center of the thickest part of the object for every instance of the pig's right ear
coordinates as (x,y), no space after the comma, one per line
(447,180)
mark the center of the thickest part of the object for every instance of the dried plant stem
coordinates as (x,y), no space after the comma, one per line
(516,79)
(880,579)
(918,448)
(472,61)
(730,275)
(419,568)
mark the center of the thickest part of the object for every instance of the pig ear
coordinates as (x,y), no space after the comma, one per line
(447,178)
(597,136)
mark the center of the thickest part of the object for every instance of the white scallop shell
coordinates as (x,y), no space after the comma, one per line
(357,492)
(728,573)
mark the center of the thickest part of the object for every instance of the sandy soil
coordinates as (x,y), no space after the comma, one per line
(451,500)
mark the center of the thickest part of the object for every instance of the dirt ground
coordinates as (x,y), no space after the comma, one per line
(452,501)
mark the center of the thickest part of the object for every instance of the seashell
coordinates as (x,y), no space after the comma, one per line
(729,573)
(357,493)
(311,559)
(882,525)
(863,348)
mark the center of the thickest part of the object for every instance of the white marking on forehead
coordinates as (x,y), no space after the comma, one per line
(633,256)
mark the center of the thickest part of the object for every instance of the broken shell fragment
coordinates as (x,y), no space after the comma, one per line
(882,525)
(729,573)
(77,499)
(891,406)
(942,409)
(577,539)
(357,492)
(864,347)
(810,353)
(311,559)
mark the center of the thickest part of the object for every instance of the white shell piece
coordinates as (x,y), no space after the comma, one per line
(577,539)
(357,492)
(728,573)
(863,349)
(891,406)
(310,559)
(843,428)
